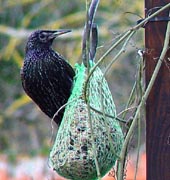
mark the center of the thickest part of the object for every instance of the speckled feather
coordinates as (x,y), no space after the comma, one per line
(46,77)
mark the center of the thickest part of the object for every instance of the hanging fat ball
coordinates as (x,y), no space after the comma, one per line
(46,76)
(76,146)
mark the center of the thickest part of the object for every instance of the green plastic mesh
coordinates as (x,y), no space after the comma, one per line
(72,155)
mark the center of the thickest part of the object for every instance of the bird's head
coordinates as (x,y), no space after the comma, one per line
(43,38)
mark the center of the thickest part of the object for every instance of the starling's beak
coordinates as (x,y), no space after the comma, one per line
(59,32)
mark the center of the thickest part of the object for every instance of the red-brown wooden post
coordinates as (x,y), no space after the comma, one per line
(158,102)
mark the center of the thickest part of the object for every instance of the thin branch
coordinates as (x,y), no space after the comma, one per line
(85,57)
(62,107)
(109,115)
(151,16)
(138,146)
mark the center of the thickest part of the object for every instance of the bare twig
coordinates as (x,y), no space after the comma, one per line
(85,56)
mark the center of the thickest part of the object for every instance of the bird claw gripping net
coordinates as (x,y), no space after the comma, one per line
(83,136)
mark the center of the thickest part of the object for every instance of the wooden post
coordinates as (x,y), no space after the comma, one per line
(158,102)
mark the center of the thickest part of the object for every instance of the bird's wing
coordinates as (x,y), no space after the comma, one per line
(70,71)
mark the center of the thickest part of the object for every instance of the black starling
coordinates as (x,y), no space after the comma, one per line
(46,76)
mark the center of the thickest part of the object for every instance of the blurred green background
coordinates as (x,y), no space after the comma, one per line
(24,129)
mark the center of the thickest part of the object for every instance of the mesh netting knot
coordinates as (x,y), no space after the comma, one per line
(72,155)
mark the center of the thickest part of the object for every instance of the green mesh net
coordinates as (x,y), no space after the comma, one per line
(77,144)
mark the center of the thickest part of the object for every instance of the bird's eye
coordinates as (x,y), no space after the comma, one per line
(42,36)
